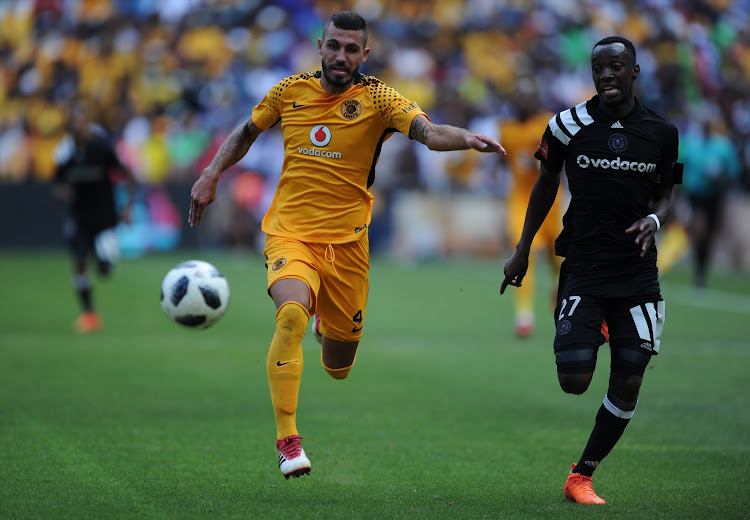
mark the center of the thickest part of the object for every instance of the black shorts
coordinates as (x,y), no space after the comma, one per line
(627,297)
(85,237)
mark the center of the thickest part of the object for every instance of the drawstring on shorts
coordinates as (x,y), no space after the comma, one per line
(332,255)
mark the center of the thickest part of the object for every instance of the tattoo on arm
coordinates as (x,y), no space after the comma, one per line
(419,130)
(235,146)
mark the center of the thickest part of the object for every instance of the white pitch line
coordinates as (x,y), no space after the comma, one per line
(707,298)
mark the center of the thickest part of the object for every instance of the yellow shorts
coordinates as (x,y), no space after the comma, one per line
(337,275)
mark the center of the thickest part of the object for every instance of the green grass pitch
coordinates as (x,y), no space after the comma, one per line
(446,414)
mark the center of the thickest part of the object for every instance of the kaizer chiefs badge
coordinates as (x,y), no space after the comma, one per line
(618,143)
(351,109)
(278,265)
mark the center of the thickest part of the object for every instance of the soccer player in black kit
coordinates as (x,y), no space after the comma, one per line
(620,161)
(83,179)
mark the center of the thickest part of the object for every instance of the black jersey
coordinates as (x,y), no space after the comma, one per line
(88,171)
(613,167)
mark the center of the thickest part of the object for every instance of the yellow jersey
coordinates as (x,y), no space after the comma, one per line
(521,139)
(331,146)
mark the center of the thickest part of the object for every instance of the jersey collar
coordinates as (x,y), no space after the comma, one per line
(359,79)
(593,108)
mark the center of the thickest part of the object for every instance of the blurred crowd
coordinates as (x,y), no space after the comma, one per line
(169,79)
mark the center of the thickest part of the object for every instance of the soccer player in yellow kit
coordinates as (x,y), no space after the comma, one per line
(521,135)
(334,123)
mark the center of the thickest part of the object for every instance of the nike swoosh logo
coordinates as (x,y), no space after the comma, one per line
(356,329)
(280,364)
(295,105)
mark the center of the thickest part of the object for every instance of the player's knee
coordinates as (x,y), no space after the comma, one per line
(574,383)
(339,359)
(291,319)
(79,266)
(625,385)
(81,282)
(575,368)
(338,373)
(630,364)
(105,269)
(284,360)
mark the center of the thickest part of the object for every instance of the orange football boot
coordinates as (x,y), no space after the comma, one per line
(87,322)
(578,488)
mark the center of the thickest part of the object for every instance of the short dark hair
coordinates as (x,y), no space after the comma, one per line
(348,21)
(618,39)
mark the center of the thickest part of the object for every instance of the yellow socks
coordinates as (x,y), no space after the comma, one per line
(524,295)
(284,366)
(673,244)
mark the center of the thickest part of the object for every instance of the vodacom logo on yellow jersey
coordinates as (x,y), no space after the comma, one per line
(320,135)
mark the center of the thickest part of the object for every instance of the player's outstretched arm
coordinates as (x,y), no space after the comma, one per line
(646,228)
(234,148)
(447,137)
(542,197)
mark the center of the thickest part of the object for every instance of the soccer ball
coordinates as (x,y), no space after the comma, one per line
(194,294)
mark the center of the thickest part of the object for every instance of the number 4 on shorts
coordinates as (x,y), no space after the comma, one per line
(357,319)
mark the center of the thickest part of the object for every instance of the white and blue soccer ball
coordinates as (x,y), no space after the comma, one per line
(194,294)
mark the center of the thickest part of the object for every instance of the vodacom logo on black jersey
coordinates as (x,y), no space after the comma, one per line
(320,135)
(584,161)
